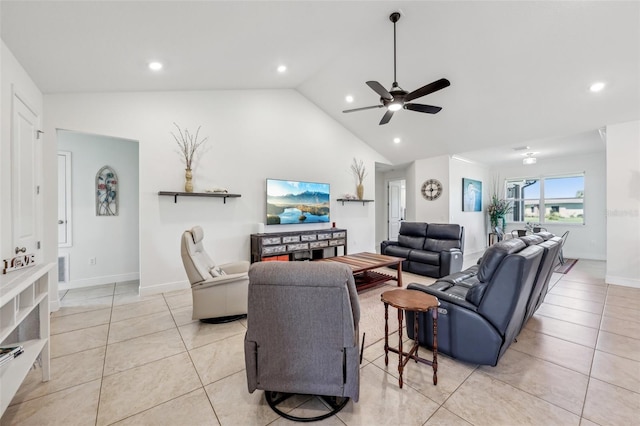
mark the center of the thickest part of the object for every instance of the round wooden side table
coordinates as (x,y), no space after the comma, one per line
(416,301)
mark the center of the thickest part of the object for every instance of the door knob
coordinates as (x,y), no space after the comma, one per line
(60,222)
(20,250)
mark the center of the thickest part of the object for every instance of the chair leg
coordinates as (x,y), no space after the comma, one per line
(561,257)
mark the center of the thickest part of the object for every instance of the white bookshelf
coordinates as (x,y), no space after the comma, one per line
(24,320)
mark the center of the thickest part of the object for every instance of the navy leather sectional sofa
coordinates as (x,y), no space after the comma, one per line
(483,308)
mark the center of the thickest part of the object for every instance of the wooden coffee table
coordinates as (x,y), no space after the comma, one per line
(363,265)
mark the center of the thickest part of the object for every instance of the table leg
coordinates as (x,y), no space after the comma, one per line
(386,334)
(400,355)
(415,334)
(399,274)
(434,314)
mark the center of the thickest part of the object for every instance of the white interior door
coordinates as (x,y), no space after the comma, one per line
(396,208)
(25,156)
(64,199)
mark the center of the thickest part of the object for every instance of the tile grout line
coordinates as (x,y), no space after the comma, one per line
(104,361)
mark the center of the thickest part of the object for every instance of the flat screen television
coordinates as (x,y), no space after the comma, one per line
(295,202)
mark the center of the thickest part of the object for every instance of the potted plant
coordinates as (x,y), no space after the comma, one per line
(498,208)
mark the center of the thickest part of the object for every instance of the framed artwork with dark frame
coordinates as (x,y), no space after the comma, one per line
(106,192)
(471,195)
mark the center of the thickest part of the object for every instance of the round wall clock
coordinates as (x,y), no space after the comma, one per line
(431,189)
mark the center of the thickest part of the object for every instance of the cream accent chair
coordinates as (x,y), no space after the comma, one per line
(219,291)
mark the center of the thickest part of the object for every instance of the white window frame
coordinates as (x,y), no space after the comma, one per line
(542,200)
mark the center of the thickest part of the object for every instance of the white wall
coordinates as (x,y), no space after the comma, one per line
(253,135)
(14,79)
(623,204)
(475,223)
(111,240)
(586,241)
(436,211)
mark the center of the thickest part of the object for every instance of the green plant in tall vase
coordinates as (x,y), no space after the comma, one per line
(498,208)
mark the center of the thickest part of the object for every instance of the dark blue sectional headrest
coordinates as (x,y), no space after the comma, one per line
(494,255)
(413,229)
(443,231)
(545,235)
(531,240)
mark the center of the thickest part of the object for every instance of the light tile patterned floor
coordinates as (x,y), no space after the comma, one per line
(122,359)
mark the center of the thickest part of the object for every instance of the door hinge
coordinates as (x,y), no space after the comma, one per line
(38,245)
(38,133)
(37,189)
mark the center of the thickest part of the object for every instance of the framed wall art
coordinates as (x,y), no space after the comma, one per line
(471,195)
(106,192)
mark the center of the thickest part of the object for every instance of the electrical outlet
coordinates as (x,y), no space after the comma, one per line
(92,261)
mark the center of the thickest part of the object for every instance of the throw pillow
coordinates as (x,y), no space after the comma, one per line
(217,271)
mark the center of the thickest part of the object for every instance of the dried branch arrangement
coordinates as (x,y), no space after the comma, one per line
(358,170)
(188,144)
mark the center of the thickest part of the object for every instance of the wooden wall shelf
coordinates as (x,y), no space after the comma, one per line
(175,195)
(349,200)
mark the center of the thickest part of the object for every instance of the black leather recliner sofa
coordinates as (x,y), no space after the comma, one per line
(483,308)
(431,249)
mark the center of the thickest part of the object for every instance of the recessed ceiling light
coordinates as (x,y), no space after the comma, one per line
(155,66)
(349,98)
(396,140)
(282,68)
(596,87)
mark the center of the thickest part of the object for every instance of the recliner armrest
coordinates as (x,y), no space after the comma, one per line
(236,267)
(442,295)
(385,244)
(450,261)
(221,280)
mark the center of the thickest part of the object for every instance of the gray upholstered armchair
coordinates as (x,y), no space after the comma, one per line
(219,291)
(302,333)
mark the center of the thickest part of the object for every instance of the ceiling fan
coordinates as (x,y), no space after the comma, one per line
(397,98)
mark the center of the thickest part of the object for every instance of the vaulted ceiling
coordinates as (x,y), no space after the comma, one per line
(520,71)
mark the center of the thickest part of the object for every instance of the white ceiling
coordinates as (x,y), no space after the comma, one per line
(520,71)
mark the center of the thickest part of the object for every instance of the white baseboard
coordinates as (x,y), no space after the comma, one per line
(624,281)
(107,279)
(164,288)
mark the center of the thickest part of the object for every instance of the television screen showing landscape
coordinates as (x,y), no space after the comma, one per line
(297,202)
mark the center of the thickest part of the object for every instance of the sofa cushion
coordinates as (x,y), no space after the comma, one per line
(530,240)
(428,257)
(442,236)
(397,251)
(494,255)
(411,241)
(413,229)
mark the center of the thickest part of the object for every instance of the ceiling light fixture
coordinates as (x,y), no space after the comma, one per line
(529,159)
(596,87)
(282,68)
(396,140)
(155,66)
(349,98)
(395,106)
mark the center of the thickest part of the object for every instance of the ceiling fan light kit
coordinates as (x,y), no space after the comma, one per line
(397,98)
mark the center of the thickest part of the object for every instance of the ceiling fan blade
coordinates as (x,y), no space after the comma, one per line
(429,109)
(429,88)
(363,108)
(386,117)
(380,90)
